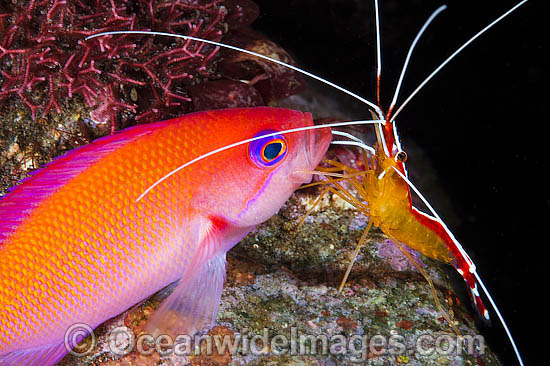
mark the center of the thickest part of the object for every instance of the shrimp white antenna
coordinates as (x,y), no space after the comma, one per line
(379,70)
(516,351)
(358,141)
(435,215)
(355,143)
(444,63)
(242,142)
(348,135)
(378,128)
(378,52)
(219,44)
(409,54)
(472,265)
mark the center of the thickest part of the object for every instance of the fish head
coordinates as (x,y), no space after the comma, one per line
(262,174)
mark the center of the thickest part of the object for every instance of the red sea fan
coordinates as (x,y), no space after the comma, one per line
(76,90)
(45,61)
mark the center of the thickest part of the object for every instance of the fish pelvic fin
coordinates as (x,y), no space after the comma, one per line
(194,303)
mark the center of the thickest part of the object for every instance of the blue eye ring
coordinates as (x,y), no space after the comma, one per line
(268,152)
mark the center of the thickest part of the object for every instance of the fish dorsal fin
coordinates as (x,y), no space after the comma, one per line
(43,183)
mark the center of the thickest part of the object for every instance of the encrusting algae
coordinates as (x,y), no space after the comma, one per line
(276,287)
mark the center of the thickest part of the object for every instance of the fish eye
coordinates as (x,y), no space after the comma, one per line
(269,151)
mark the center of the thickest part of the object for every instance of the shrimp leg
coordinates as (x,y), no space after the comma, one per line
(358,247)
(310,210)
(430,283)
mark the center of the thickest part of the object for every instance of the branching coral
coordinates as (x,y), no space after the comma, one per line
(76,90)
(44,58)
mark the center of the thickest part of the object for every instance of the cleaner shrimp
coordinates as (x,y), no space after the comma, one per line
(386,164)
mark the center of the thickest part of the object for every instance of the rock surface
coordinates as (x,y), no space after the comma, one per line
(281,282)
(280,298)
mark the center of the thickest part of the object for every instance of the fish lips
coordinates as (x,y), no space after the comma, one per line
(316,145)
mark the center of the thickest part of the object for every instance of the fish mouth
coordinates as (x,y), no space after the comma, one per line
(317,143)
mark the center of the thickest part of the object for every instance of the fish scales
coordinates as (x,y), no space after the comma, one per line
(84,250)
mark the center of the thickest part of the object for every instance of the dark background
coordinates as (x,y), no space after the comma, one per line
(481,122)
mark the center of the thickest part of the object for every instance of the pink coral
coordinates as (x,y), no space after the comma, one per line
(44,59)
(398,261)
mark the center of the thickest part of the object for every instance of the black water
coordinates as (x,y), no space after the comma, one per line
(481,122)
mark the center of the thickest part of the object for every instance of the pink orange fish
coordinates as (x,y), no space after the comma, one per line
(77,246)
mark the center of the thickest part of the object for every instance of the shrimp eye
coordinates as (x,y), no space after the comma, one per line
(269,151)
(401,157)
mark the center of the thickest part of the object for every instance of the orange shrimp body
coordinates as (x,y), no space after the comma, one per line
(386,199)
(385,196)
(390,209)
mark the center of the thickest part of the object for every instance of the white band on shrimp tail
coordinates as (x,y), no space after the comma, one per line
(472,266)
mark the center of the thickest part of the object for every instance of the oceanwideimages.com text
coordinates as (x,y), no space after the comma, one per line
(122,341)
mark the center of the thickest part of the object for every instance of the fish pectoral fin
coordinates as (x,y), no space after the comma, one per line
(194,303)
